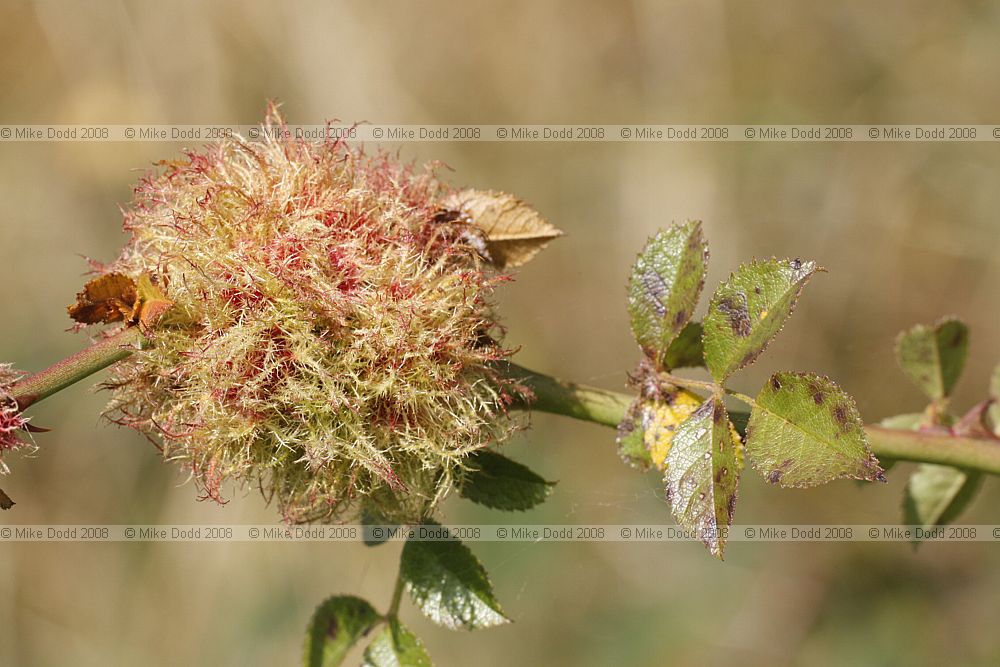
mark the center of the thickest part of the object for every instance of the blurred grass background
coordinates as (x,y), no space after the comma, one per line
(909,232)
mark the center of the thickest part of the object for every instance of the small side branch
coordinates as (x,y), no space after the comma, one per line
(608,408)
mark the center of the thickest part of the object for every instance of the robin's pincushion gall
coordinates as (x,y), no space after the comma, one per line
(331,336)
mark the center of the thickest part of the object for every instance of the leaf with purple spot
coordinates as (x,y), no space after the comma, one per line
(665,285)
(933,356)
(749,309)
(805,430)
(702,474)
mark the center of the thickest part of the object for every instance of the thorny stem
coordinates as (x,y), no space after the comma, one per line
(608,408)
(71,370)
(554,396)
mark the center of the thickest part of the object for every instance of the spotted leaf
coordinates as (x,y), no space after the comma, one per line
(805,430)
(749,309)
(702,474)
(665,285)
(933,356)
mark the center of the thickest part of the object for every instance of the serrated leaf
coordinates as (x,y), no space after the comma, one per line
(396,646)
(449,584)
(933,356)
(500,483)
(336,626)
(749,309)
(805,430)
(514,231)
(665,285)
(702,475)
(993,412)
(686,351)
(936,495)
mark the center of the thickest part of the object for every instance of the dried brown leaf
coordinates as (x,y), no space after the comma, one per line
(106,299)
(5,502)
(515,232)
(115,297)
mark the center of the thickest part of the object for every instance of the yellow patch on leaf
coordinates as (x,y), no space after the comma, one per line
(662,422)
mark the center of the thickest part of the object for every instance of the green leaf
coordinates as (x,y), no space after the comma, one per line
(336,626)
(686,350)
(749,309)
(805,430)
(665,285)
(936,495)
(448,583)
(993,412)
(703,471)
(630,436)
(396,646)
(933,356)
(500,483)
